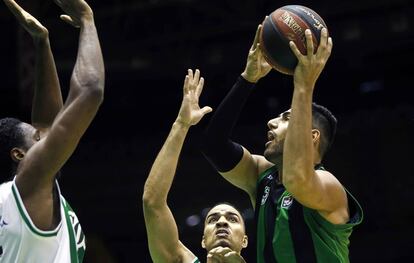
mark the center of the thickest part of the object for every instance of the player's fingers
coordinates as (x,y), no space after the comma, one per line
(324,37)
(58,2)
(295,49)
(200,86)
(16,10)
(69,20)
(190,75)
(206,110)
(185,87)
(256,38)
(309,42)
(196,76)
(212,251)
(330,45)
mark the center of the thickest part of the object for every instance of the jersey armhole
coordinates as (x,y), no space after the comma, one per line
(26,218)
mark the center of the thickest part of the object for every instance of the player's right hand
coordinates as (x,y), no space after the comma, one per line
(29,23)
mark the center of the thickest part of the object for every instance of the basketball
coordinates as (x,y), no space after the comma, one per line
(288,23)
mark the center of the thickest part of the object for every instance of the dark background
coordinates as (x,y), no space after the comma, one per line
(148,46)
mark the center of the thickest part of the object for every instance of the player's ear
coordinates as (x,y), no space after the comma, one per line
(316,134)
(203,243)
(245,241)
(17,154)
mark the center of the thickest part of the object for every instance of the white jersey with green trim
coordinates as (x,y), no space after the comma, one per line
(22,242)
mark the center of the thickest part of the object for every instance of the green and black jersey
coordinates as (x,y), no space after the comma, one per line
(288,232)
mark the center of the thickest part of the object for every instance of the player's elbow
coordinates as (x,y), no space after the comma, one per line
(90,85)
(150,201)
(93,93)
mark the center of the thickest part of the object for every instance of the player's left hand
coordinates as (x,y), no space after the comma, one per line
(311,65)
(29,23)
(256,65)
(224,255)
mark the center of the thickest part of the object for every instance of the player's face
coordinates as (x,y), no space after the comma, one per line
(276,136)
(31,135)
(224,226)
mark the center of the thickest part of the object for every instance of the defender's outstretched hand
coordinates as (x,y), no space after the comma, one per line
(76,11)
(311,65)
(29,23)
(190,112)
(256,66)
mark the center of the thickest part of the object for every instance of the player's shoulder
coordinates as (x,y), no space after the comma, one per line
(327,176)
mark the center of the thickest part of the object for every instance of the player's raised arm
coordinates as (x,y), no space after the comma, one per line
(234,162)
(37,170)
(163,239)
(319,190)
(47,99)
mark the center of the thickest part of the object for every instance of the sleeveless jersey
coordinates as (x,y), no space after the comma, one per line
(196,260)
(22,242)
(288,232)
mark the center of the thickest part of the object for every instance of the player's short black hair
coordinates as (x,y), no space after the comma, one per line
(325,122)
(11,135)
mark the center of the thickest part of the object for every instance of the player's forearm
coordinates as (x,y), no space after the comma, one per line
(162,172)
(298,147)
(47,99)
(89,73)
(223,153)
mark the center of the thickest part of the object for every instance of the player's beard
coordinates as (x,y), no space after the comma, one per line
(274,151)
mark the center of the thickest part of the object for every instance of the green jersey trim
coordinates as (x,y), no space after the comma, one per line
(72,242)
(196,260)
(77,250)
(265,173)
(26,217)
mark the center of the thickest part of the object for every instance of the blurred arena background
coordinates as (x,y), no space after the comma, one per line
(148,46)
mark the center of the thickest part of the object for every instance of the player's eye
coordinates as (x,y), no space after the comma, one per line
(233,219)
